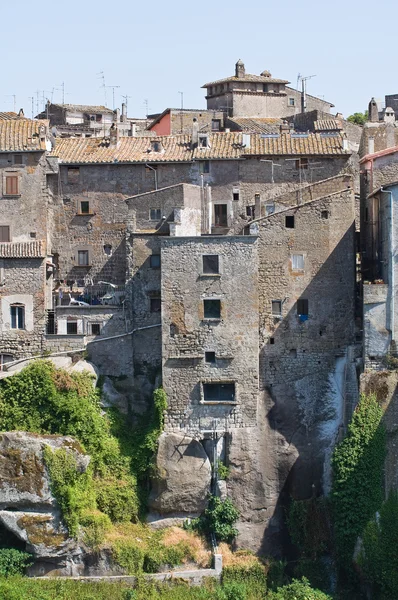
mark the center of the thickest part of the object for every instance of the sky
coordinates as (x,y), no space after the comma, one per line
(157,49)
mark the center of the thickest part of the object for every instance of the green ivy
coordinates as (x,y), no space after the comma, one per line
(357,464)
(219,518)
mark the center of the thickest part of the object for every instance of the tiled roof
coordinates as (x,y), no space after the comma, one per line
(86,108)
(248,77)
(18,135)
(258,125)
(5,116)
(328,125)
(178,148)
(34,249)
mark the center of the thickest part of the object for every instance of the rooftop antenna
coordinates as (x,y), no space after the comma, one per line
(304,91)
(113,93)
(15,100)
(182,112)
(146,103)
(33,104)
(102,77)
(126,100)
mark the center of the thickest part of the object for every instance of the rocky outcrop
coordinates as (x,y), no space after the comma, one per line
(183,476)
(28,509)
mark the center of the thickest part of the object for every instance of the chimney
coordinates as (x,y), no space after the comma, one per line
(345,144)
(124,113)
(21,113)
(284,127)
(373,116)
(240,69)
(113,136)
(195,132)
(246,140)
(116,115)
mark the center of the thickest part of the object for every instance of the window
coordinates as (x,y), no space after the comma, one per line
(204,166)
(98,118)
(155,214)
(302,163)
(73,174)
(17,316)
(276,306)
(155,304)
(149,171)
(32,234)
(293,353)
(18,159)
(108,249)
(289,222)
(325,214)
(219,392)
(269,209)
(71,328)
(220,215)
(272,341)
(210,264)
(82,258)
(156,147)
(291,102)
(212,309)
(12,185)
(4,233)
(302,307)
(203,141)
(4,359)
(250,211)
(215,124)
(210,357)
(235,194)
(298,262)
(95,328)
(265,87)
(84,207)
(154,261)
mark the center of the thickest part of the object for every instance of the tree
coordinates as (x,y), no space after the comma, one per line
(358,118)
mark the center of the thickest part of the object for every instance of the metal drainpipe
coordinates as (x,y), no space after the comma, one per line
(156,175)
(392,300)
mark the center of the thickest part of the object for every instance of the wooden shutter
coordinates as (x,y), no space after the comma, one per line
(12,185)
(4,233)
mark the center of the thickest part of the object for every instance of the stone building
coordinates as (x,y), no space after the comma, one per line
(174,121)
(25,236)
(247,95)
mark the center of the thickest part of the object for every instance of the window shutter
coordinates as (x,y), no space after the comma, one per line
(12,185)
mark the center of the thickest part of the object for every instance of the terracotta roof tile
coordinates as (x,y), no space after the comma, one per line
(34,249)
(178,148)
(18,135)
(256,125)
(247,77)
(5,116)
(85,108)
(328,125)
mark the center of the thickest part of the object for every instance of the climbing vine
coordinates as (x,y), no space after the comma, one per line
(357,464)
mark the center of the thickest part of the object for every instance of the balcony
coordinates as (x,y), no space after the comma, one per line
(33,249)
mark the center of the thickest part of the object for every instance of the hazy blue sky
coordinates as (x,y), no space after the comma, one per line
(155,49)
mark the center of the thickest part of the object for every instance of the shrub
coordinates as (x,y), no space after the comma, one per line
(117,499)
(298,590)
(95,525)
(129,556)
(223,470)
(14,562)
(219,518)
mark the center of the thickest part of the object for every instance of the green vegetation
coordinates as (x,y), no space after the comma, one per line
(46,400)
(358,118)
(357,465)
(223,470)
(14,562)
(298,590)
(219,518)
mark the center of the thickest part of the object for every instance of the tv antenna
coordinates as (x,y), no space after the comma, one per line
(146,104)
(126,100)
(101,76)
(182,112)
(304,90)
(113,93)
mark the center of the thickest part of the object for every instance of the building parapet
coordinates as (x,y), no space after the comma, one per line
(34,249)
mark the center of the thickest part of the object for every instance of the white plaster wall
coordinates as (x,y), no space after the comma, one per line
(6,301)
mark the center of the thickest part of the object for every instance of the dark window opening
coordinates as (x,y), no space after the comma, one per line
(210,264)
(95,328)
(155,214)
(220,215)
(289,222)
(98,118)
(325,214)
(293,353)
(204,166)
(302,163)
(276,306)
(203,141)
(250,211)
(156,146)
(4,359)
(17,316)
(84,207)
(173,330)
(212,309)
(210,357)
(82,258)
(291,101)
(235,196)
(302,307)
(73,174)
(265,87)
(272,341)
(219,392)
(155,305)
(108,249)
(154,261)
(216,124)
(4,233)
(71,327)
(18,159)
(32,234)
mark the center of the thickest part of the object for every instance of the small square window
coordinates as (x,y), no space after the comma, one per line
(155,214)
(289,222)
(32,234)
(154,261)
(219,392)
(82,258)
(204,166)
(291,102)
(84,207)
(18,159)
(276,306)
(155,305)
(71,327)
(325,214)
(302,307)
(210,264)
(210,357)
(108,249)
(215,124)
(293,353)
(298,262)
(302,163)
(95,328)
(4,359)
(212,309)
(269,209)
(203,141)
(235,195)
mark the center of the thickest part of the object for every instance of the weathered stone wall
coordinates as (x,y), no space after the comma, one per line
(187,334)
